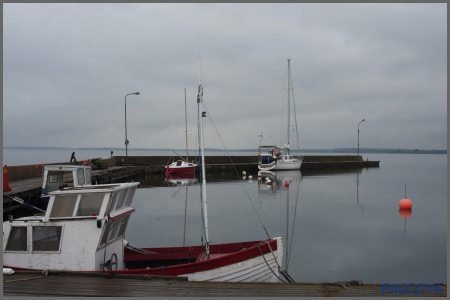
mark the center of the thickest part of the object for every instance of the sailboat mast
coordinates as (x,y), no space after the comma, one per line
(185,124)
(289,104)
(205,202)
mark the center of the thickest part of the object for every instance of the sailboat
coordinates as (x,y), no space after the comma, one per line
(182,166)
(273,158)
(83,230)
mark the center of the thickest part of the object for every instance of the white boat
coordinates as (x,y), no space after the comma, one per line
(273,158)
(59,176)
(83,230)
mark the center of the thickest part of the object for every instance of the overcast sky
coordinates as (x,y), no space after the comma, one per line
(68,67)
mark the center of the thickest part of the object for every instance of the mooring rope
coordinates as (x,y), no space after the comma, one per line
(283,272)
(45,272)
(257,246)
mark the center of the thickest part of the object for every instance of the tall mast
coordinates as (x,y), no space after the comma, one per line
(185,124)
(205,202)
(289,102)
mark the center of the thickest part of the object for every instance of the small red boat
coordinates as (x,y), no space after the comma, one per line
(180,167)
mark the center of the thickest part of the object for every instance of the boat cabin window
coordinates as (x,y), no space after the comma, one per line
(17,240)
(114,229)
(63,206)
(68,175)
(88,176)
(120,195)
(123,226)
(80,174)
(46,238)
(291,157)
(90,204)
(179,162)
(53,176)
(129,196)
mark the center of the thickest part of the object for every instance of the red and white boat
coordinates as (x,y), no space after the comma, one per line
(83,230)
(180,167)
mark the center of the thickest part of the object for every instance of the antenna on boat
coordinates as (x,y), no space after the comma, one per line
(205,202)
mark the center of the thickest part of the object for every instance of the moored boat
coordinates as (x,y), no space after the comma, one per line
(279,158)
(182,166)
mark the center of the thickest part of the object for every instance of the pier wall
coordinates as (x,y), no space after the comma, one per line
(154,164)
(163,160)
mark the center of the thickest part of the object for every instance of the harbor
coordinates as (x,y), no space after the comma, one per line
(27,283)
(25,181)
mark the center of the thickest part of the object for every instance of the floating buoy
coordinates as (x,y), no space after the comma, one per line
(286,183)
(243,173)
(250,177)
(405,202)
(259,174)
(268,181)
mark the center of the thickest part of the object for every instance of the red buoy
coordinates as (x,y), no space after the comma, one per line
(286,184)
(405,203)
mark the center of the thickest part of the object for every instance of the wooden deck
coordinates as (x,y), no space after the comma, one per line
(23,283)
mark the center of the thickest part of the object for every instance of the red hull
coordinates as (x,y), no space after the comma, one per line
(221,255)
(182,170)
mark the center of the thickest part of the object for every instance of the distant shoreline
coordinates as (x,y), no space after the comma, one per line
(332,150)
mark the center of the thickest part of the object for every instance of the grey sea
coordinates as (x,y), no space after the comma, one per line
(336,225)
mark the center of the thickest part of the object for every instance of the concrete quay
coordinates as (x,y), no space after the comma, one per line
(155,164)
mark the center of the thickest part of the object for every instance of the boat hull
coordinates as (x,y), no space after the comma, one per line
(281,166)
(258,261)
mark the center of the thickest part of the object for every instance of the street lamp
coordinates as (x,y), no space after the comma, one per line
(358,133)
(126,139)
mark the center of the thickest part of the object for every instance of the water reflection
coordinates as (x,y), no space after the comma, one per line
(357,189)
(285,184)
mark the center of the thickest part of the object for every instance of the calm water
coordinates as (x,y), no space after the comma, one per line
(336,225)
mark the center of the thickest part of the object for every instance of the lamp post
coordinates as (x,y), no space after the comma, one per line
(358,133)
(126,139)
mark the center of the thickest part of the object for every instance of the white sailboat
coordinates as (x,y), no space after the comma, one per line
(273,158)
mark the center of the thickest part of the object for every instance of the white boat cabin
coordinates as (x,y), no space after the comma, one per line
(82,230)
(59,176)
